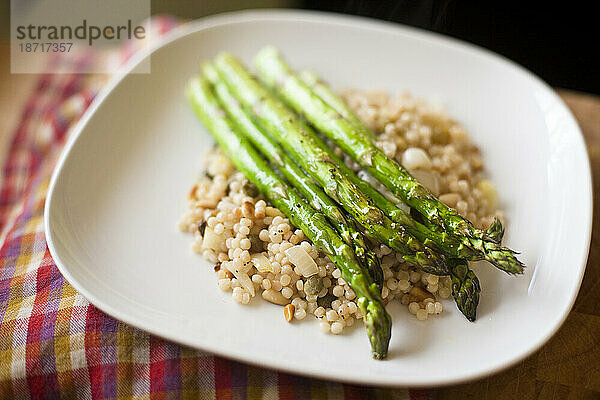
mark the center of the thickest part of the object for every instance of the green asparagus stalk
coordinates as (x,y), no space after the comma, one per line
(333,100)
(465,287)
(321,89)
(294,174)
(277,74)
(298,140)
(300,213)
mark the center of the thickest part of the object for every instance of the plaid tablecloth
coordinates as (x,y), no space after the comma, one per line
(53,342)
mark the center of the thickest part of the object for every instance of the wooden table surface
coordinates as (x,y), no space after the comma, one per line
(567,367)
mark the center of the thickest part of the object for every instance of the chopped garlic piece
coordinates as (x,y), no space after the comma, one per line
(261,263)
(301,259)
(213,241)
(240,272)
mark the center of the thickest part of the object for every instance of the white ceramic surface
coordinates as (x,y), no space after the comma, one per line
(120,188)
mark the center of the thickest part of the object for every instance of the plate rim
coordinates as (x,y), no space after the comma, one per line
(339,20)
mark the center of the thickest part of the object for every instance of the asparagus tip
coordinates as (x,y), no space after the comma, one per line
(495,231)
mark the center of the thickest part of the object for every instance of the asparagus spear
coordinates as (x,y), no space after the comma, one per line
(333,100)
(300,213)
(465,287)
(294,174)
(320,88)
(300,142)
(275,72)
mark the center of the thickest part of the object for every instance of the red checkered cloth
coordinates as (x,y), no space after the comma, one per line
(53,342)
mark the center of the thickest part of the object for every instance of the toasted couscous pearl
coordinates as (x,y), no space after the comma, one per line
(444,292)
(324,326)
(338,291)
(245,298)
(245,256)
(285,280)
(300,314)
(224,284)
(274,247)
(392,284)
(245,244)
(319,312)
(388,260)
(385,250)
(247,222)
(237,294)
(299,284)
(432,288)
(421,314)
(219,228)
(212,221)
(336,303)
(264,235)
(430,307)
(311,298)
(209,255)
(332,315)
(277,220)
(350,295)
(438,307)
(403,275)
(415,276)
(352,307)
(266,284)
(286,269)
(413,307)
(283,228)
(287,292)
(403,285)
(256,278)
(275,237)
(385,292)
(276,267)
(433,279)
(337,328)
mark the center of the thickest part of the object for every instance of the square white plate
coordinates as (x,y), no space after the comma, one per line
(120,188)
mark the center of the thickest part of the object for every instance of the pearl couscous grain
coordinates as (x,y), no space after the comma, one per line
(250,241)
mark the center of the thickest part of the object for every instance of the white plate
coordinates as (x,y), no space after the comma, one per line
(121,184)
